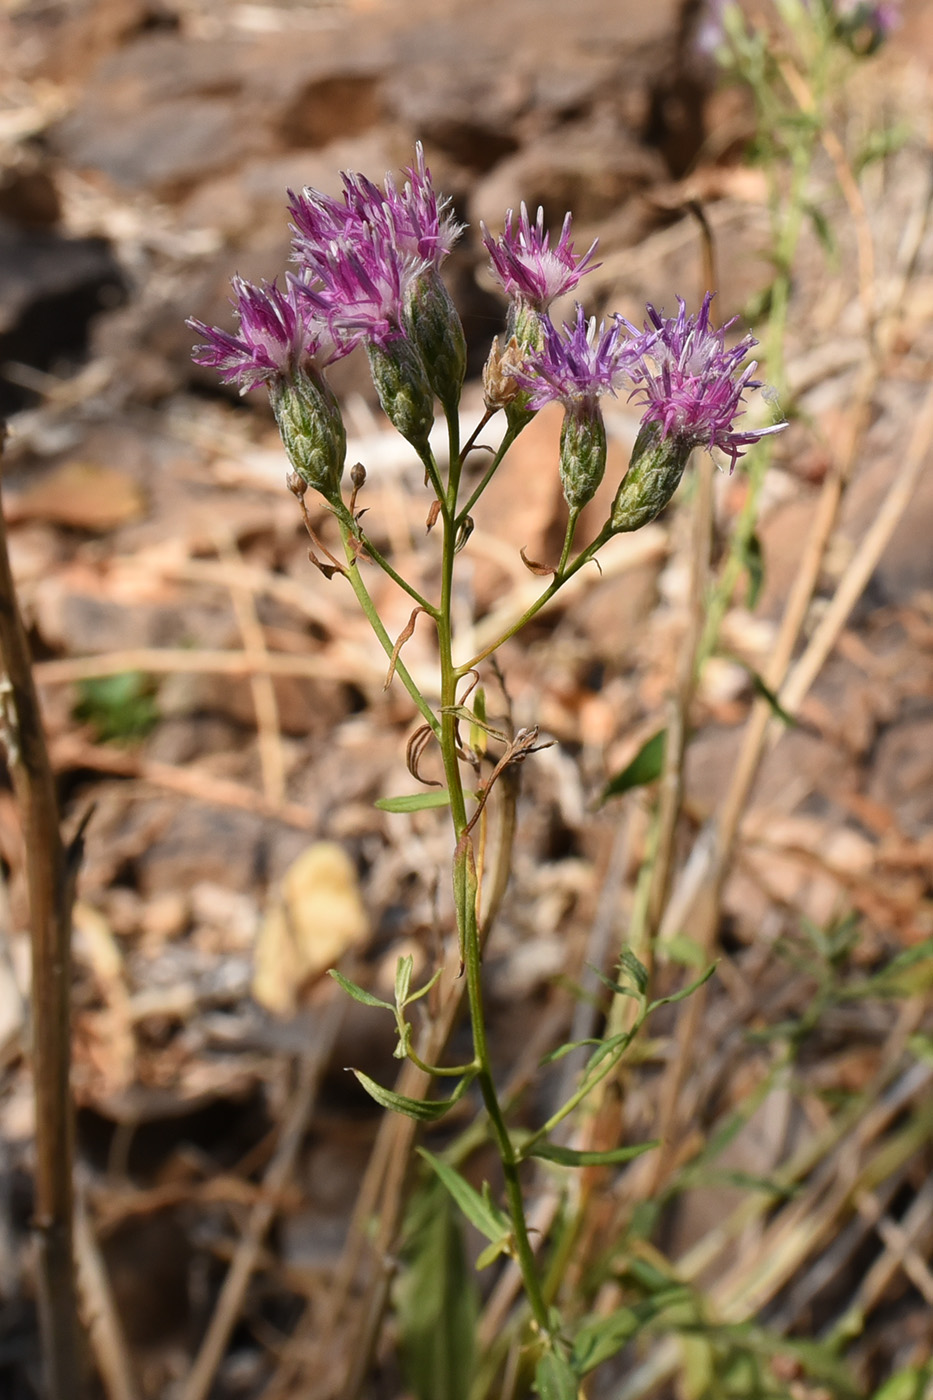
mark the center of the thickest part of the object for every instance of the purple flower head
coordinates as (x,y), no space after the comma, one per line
(710,31)
(359,286)
(365,250)
(691,384)
(866,24)
(279,334)
(420,220)
(575,366)
(530,270)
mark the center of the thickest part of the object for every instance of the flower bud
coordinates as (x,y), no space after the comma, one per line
(432,321)
(582,453)
(310,423)
(525,329)
(656,466)
(500,388)
(403,389)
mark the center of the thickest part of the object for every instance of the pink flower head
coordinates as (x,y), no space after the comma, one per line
(691,384)
(365,250)
(420,219)
(577,366)
(279,334)
(530,270)
(360,286)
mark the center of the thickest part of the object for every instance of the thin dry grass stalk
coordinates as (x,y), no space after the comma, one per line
(51,868)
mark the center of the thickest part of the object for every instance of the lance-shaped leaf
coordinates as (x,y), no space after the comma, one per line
(356,992)
(423,1110)
(436,1299)
(645,767)
(571,1157)
(555,1378)
(480,1210)
(414,801)
(684,991)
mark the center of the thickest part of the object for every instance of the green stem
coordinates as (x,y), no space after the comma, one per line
(396,577)
(504,445)
(564,572)
(465,891)
(352,572)
(440,1071)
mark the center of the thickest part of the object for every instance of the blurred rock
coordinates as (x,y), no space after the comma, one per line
(50,289)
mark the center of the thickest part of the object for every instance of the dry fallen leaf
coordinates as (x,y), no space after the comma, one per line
(83,496)
(318,916)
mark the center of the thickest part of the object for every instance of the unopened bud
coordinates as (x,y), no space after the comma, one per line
(312,431)
(435,327)
(357,476)
(403,389)
(296,484)
(500,388)
(582,454)
(464,533)
(655,469)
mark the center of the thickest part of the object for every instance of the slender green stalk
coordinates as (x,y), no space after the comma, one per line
(564,572)
(378,558)
(375,621)
(510,436)
(465,892)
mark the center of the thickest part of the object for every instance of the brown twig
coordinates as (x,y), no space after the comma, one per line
(71,751)
(265,704)
(105,1331)
(50,872)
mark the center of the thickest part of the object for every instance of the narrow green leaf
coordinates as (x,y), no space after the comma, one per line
(598,1341)
(474,718)
(766,693)
(424,1110)
(906,1385)
(403,971)
(637,970)
(491,1253)
(570,1157)
(609,1047)
(436,1300)
(414,801)
(645,767)
(823,230)
(754,562)
(616,987)
(603,1338)
(479,1210)
(684,991)
(423,991)
(554,1055)
(357,993)
(555,1378)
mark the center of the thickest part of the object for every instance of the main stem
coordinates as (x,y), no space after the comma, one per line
(465,892)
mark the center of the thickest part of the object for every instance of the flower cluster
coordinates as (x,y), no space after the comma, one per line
(369,273)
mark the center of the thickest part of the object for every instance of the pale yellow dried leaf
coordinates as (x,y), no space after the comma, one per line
(317,917)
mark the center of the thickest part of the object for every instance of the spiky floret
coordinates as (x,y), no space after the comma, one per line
(691,384)
(279,334)
(576,365)
(530,270)
(365,251)
(359,286)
